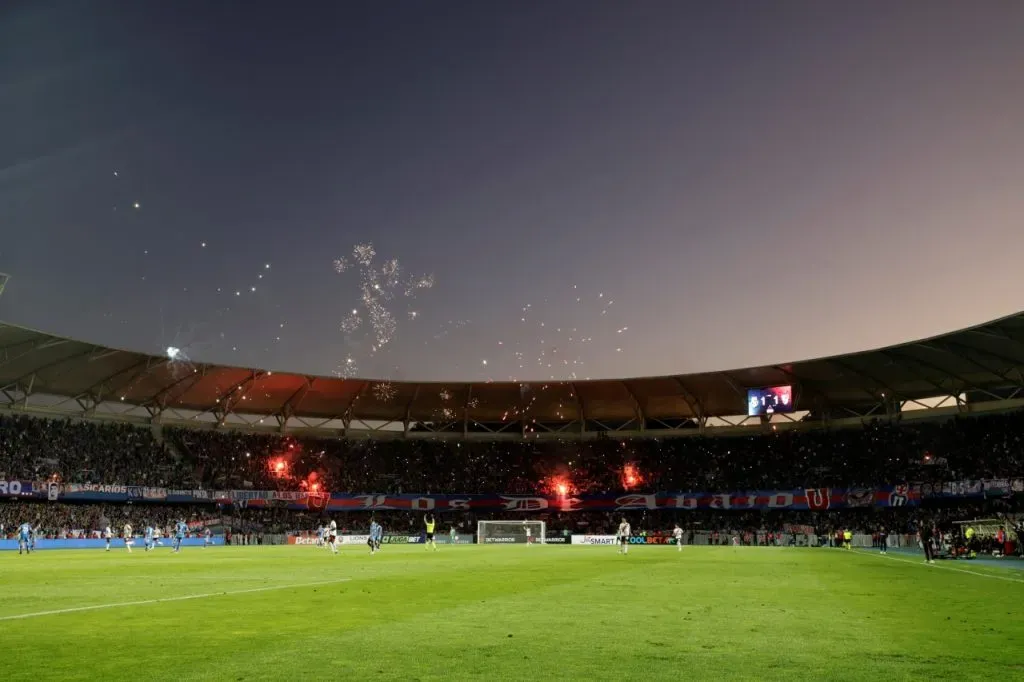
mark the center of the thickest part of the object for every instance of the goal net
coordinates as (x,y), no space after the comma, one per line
(510,532)
(984,528)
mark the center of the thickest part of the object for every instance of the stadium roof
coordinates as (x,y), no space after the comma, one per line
(47,373)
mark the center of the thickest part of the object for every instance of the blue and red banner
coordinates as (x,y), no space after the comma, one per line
(813,499)
(15,488)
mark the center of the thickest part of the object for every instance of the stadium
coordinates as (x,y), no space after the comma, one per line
(842,518)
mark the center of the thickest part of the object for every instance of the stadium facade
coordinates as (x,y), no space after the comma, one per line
(979,369)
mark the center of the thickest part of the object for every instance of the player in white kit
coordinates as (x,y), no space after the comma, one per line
(129,539)
(107,535)
(624,531)
(332,536)
(677,533)
(529,535)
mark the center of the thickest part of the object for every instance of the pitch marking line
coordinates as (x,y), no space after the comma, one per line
(144,602)
(945,568)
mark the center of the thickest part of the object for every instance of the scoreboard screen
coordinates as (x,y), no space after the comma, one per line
(764,401)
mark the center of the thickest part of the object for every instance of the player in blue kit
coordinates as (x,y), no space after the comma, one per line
(180,529)
(376,534)
(149,537)
(25,538)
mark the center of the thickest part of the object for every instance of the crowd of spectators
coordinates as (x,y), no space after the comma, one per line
(80,451)
(878,453)
(61,520)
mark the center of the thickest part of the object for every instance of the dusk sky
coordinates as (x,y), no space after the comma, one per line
(609,188)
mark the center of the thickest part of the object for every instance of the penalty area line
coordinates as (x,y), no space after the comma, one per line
(186,597)
(940,566)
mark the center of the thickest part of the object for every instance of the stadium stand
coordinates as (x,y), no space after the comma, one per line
(177,426)
(80,451)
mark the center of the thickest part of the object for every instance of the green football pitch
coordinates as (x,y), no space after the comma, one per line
(506,613)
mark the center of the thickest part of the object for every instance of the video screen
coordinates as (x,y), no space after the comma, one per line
(762,401)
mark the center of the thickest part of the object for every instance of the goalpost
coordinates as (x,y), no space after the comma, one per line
(510,532)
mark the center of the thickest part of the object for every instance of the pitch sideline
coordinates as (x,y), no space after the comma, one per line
(862,552)
(186,597)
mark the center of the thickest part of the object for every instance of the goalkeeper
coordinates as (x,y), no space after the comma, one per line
(430,523)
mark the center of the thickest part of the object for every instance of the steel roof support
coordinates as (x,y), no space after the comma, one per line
(1015,364)
(35,371)
(879,386)
(346,418)
(967,384)
(690,398)
(641,417)
(801,384)
(580,407)
(13,395)
(233,396)
(33,346)
(993,332)
(465,410)
(160,397)
(101,353)
(289,406)
(88,403)
(920,375)
(98,387)
(156,413)
(408,410)
(18,387)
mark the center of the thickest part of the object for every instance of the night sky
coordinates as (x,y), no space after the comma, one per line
(571,189)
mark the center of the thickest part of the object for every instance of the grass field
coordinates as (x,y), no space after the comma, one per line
(506,613)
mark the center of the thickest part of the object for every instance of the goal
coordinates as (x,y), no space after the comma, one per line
(510,532)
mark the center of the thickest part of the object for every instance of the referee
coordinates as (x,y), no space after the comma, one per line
(926,534)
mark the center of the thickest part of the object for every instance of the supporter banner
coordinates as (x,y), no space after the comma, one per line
(97,492)
(96,488)
(15,488)
(999,487)
(206,523)
(813,499)
(799,529)
(252,495)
